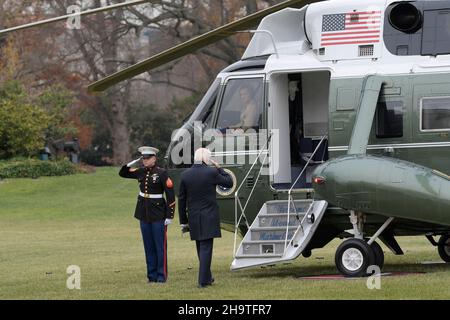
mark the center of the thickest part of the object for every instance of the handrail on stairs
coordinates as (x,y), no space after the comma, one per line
(292,200)
(237,201)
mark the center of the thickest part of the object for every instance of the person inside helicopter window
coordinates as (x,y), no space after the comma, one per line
(249,115)
(241,107)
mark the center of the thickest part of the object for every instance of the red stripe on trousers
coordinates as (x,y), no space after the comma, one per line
(165,252)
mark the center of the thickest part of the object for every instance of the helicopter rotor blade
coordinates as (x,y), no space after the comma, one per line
(192,45)
(76,14)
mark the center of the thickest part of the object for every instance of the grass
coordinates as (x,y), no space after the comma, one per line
(48,224)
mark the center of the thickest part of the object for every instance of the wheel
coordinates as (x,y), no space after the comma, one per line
(444,247)
(353,257)
(306,253)
(379,254)
(243,230)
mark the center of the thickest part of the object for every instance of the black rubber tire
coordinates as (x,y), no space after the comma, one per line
(379,254)
(306,253)
(367,254)
(243,230)
(444,247)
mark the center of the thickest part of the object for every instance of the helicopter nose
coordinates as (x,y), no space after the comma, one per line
(324,180)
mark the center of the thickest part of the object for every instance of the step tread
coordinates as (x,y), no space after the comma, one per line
(281,214)
(262,256)
(284,201)
(273,228)
(263,241)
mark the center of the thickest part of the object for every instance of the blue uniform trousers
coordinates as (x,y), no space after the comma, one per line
(204,252)
(154,236)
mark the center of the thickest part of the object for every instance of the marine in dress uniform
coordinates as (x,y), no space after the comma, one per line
(153,211)
(198,209)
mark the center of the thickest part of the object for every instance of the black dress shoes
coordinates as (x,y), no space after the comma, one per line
(204,285)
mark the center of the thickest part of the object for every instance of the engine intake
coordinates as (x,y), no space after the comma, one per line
(405,17)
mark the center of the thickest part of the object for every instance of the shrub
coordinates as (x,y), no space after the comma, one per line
(32,168)
(22,125)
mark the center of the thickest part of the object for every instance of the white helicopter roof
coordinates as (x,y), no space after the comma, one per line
(281,33)
(333,29)
(343,36)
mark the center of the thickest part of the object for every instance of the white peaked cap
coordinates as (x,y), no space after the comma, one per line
(148,151)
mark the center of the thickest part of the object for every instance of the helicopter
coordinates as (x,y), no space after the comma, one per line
(335,124)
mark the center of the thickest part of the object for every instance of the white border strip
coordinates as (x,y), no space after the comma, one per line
(238,153)
(397,146)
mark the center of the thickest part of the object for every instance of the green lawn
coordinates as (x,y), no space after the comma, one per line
(87,220)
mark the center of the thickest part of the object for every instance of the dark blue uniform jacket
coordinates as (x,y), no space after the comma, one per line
(152,181)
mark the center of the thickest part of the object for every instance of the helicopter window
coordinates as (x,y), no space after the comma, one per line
(435,113)
(241,104)
(389,119)
(204,110)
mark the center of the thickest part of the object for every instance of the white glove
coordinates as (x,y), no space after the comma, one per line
(168,221)
(132,163)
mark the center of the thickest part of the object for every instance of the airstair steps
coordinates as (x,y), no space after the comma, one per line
(262,248)
(279,220)
(266,241)
(281,206)
(259,256)
(271,233)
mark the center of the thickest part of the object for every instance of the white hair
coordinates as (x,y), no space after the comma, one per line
(202,154)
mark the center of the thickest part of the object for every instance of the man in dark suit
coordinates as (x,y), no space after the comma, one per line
(198,208)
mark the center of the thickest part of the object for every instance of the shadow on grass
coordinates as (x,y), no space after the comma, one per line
(417,267)
(284,271)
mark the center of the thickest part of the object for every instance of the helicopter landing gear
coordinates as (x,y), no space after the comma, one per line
(379,254)
(354,256)
(444,247)
(306,253)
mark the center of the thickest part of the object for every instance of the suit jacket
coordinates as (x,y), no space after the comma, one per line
(152,181)
(197,200)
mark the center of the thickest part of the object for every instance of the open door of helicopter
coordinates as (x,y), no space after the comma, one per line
(298,112)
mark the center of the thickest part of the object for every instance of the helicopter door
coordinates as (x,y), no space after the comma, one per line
(298,113)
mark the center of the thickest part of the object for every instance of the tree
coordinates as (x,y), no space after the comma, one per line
(56,102)
(22,125)
(28,123)
(111,41)
(142,117)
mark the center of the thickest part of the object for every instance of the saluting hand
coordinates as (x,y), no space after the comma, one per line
(214,163)
(134,162)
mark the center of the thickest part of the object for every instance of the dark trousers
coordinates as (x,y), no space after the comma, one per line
(154,236)
(204,252)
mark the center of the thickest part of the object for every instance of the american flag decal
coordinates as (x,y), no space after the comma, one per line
(351,28)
